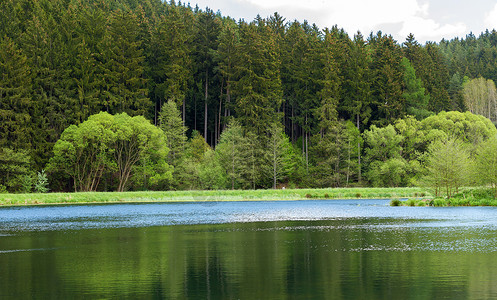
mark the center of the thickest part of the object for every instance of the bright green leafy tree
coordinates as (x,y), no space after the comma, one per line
(486,164)
(107,144)
(447,166)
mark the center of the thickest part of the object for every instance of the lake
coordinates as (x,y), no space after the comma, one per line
(322,249)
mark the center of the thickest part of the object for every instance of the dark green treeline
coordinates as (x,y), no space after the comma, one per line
(64,60)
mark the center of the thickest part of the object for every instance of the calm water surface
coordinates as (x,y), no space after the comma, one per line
(350,249)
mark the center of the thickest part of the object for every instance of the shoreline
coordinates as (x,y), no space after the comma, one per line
(86,198)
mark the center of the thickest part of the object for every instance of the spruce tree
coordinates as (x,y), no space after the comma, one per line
(171,123)
(125,84)
(258,85)
(15,97)
(206,42)
(387,78)
(414,93)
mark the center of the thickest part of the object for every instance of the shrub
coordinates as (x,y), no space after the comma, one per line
(411,202)
(395,202)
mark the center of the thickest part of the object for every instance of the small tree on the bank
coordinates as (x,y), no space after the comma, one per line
(171,123)
(486,164)
(447,166)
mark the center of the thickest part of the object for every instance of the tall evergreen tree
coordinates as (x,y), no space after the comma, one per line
(171,123)
(258,85)
(125,84)
(225,57)
(15,97)
(357,83)
(414,93)
(387,78)
(206,41)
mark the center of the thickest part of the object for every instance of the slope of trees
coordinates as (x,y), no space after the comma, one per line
(274,101)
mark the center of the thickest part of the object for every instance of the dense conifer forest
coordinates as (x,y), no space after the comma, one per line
(143,95)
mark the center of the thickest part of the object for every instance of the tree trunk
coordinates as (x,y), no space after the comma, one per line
(205,104)
(359,153)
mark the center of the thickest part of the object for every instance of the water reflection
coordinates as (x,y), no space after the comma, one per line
(302,250)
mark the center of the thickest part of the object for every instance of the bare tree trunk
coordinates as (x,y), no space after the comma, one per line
(359,152)
(184,112)
(205,104)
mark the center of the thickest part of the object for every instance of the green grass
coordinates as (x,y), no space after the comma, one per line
(471,196)
(221,195)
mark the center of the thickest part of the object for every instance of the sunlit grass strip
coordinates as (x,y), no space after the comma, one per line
(466,197)
(220,195)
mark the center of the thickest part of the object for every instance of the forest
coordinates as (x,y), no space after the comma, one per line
(99,95)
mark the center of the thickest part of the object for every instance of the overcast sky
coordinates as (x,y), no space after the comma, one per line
(428,20)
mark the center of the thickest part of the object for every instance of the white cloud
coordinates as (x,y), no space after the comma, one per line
(491,18)
(404,16)
(411,16)
(427,29)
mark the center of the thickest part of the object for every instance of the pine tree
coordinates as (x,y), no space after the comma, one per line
(206,42)
(88,72)
(438,81)
(171,123)
(170,65)
(258,85)
(357,83)
(225,57)
(231,144)
(414,93)
(387,78)
(15,97)
(125,84)
(47,52)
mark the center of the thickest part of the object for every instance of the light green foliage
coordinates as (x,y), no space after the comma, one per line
(229,150)
(84,152)
(41,184)
(353,147)
(254,167)
(107,144)
(14,167)
(383,155)
(382,143)
(485,169)
(480,97)
(211,174)
(138,141)
(335,155)
(391,172)
(281,156)
(27,183)
(414,140)
(414,93)
(447,166)
(186,174)
(467,127)
(171,123)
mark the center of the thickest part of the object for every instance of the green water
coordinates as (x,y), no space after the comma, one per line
(54,253)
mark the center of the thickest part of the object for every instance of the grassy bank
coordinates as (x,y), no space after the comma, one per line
(467,197)
(227,195)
